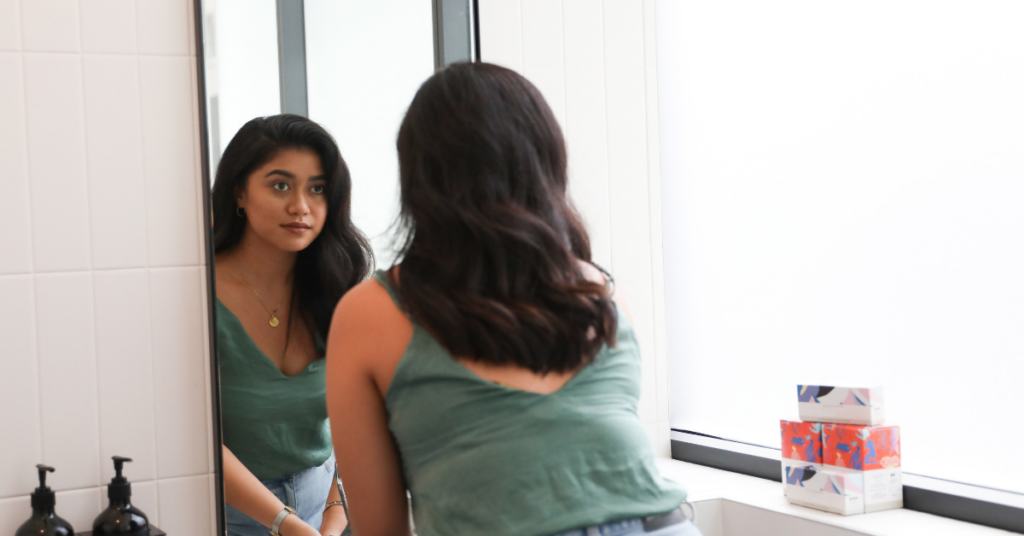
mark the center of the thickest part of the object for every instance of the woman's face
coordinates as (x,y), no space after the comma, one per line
(284,200)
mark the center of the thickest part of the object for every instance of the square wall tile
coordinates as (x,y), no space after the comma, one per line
(57,171)
(15,219)
(10,25)
(20,394)
(15,511)
(117,195)
(108,26)
(169,149)
(179,366)
(67,378)
(146,498)
(125,373)
(185,505)
(49,25)
(164,27)
(79,507)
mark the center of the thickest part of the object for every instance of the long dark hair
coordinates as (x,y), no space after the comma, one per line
(491,239)
(340,256)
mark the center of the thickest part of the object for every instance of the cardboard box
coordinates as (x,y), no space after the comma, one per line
(801,441)
(833,491)
(848,405)
(871,452)
(789,467)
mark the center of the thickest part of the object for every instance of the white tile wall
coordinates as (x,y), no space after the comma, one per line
(185,505)
(117,194)
(104,347)
(10,27)
(594,61)
(16,242)
(49,26)
(17,331)
(56,154)
(169,156)
(108,26)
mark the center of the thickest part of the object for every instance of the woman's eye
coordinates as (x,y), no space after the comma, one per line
(318,189)
(281,187)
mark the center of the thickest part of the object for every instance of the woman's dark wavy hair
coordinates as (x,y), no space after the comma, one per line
(340,256)
(490,238)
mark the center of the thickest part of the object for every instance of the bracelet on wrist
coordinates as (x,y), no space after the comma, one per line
(275,530)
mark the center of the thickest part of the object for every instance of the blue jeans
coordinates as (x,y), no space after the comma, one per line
(305,491)
(635,527)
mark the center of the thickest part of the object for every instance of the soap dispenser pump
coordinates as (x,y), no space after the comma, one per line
(120,517)
(43,521)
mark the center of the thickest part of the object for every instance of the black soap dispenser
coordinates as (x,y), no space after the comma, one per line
(43,521)
(120,517)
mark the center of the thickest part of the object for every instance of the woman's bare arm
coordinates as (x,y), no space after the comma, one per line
(367,338)
(335,520)
(244,492)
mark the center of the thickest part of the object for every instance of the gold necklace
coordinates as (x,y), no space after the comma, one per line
(274,322)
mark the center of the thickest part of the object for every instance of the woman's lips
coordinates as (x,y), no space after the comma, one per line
(297,227)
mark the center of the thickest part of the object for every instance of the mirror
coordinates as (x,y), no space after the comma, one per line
(352,68)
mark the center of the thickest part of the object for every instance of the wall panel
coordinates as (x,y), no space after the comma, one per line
(99,146)
(593,61)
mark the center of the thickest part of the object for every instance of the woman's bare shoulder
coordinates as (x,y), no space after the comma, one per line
(367,302)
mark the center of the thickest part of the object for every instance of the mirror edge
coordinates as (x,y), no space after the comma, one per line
(211,314)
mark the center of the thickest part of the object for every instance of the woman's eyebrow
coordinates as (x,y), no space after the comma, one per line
(282,173)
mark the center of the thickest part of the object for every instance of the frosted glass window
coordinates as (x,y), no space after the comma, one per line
(365,61)
(843,189)
(244,76)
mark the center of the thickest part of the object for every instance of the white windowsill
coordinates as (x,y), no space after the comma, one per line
(704,483)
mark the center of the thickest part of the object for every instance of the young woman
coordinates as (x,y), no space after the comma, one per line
(491,372)
(286,251)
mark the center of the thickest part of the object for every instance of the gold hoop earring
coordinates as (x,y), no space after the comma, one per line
(240,211)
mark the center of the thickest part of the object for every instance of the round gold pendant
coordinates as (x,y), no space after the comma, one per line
(274,322)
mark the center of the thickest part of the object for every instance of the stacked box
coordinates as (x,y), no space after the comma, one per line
(833,491)
(801,446)
(839,459)
(847,405)
(872,453)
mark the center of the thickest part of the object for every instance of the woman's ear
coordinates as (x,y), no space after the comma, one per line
(241,197)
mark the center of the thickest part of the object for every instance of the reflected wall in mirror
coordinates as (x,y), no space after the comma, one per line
(304,100)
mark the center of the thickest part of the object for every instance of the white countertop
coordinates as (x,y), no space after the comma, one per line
(708,483)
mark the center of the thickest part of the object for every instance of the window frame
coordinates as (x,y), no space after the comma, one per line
(989,507)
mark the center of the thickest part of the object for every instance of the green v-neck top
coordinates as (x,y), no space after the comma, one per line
(276,425)
(482,458)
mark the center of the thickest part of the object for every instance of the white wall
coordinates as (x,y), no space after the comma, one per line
(103,347)
(595,63)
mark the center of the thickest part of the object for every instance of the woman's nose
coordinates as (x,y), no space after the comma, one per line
(299,205)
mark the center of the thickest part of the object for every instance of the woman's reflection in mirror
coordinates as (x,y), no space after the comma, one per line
(494,372)
(286,251)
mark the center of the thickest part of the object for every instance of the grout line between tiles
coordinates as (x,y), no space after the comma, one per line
(92,254)
(39,369)
(107,54)
(104,270)
(149,281)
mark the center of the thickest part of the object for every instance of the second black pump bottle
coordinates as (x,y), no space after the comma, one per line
(120,517)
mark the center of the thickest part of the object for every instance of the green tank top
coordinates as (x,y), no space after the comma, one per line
(275,424)
(481,458)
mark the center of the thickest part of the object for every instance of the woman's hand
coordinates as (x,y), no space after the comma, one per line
(334,522)
(294,526)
